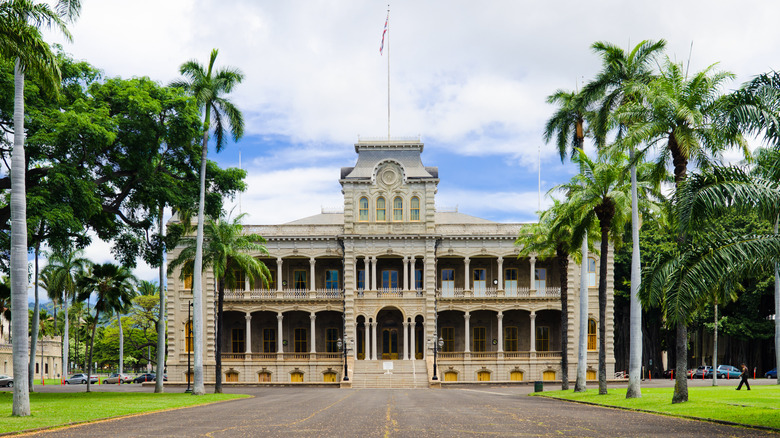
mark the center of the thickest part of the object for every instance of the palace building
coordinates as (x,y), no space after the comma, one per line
(394,281)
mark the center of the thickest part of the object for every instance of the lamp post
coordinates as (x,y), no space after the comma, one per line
(345,345)
(437,344)
(187,338)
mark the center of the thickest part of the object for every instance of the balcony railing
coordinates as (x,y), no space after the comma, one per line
(281,356)
(288,294)
(460,355)
(491,292)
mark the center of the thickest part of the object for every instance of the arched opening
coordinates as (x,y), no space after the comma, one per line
(516,376)
(483,376)
(360,335)
(231,376)
(264,376)
(389,333)
(329,377)
(296,377)
(450,376)
(548,375)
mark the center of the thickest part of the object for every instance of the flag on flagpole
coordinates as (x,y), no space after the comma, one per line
(382,46)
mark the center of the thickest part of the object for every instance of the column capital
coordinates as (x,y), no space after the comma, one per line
(279,316)
(466,259)
(500,259)
(500,315)
(467,315)
(532,258)
(312,315)
(533,314)
(279,260)
(248,316)
(312,260)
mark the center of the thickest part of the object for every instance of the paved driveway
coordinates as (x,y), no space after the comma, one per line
(332,412)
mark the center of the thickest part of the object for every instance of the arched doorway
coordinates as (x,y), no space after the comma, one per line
(390,333)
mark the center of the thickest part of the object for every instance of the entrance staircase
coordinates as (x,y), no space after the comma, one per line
(405,374)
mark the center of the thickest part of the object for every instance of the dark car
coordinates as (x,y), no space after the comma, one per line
(148,377)
(771,374)
(6,381)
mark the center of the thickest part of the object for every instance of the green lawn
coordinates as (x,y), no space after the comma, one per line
(55,409)
(758,407)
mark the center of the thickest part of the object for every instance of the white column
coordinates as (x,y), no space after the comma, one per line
(312,318)
(412,286)
(406,341)
(279,274)
(466,275)
(248,317)
(500,274)
(355,275)
(412,346)
(354,350)
(467,329)
(279,341)
(311,269)
(404,285)
(533,331)
(532,286)
(500,317)
(373,340)
(373,274)
(367,336)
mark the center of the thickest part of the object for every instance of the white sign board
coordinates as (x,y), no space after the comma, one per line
(387,366)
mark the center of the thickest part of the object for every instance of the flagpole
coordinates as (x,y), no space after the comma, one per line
(388,73)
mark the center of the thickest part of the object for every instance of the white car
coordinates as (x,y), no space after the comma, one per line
(80,378)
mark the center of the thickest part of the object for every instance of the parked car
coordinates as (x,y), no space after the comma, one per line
(771,374)
(6,381)
(728,371)
(80,378)
(703,372)
(148,377)
(115,377)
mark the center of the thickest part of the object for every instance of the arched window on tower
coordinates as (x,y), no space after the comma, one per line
(398,209)
(380,209)
(414,209)
(363,209)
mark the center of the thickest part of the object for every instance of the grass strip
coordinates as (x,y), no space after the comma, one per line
(759,407)
(59,409)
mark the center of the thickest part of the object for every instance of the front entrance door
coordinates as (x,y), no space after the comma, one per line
(390,344)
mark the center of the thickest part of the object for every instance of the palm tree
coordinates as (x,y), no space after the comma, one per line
(114,287)
(689,116)
(552,237)
(21,40)
(226,252)
(619,70)
(65,267)
(599,194)
(568,126)
(208,87)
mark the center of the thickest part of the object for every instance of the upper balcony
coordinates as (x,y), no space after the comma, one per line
(459,293)
(284,294)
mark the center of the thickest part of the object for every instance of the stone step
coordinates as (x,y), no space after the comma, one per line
(405,374)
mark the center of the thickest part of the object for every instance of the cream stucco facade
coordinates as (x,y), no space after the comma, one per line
(391,273)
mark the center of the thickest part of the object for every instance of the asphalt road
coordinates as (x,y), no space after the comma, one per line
(450,412)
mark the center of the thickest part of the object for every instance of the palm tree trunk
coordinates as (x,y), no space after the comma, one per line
(603,305)
(65,336)
(121,343)
(582,347)
(715,350)
(158,384)
(635,347)
(681,365)
(91,349)
(36,322)
(563,268)
(777,315)
(220,324)
(197,288)
(21,398)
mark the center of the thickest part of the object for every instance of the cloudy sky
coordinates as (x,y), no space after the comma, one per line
(470,78)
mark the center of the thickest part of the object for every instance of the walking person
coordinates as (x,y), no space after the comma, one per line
(744,377)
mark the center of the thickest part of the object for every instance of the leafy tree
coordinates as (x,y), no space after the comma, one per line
(208,87)
(226,253)
(21,40)
(619,71)
(114,289)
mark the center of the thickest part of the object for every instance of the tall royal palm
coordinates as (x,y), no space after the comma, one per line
(600,195)
(619,70)
(569,125)
(21,40)
(208,86)
(65,267)
(114,288)
(227,252)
